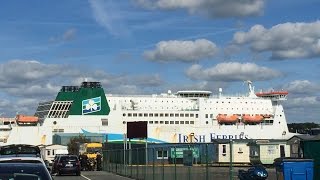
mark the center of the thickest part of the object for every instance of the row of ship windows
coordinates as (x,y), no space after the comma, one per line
(239,108)
(171,122)
(161,115)
(217,102)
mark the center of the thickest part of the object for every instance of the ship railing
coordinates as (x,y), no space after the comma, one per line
(238,95)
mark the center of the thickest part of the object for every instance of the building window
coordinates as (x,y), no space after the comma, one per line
(224,149)
(48,152)
(162,154)
(104,122)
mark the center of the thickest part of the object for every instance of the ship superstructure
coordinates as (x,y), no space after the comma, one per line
(181,117)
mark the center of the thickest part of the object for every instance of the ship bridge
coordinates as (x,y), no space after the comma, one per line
(274,95)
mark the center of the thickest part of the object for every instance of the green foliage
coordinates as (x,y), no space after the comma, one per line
(73,145)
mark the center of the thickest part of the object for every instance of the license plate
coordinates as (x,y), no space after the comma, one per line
(69,165)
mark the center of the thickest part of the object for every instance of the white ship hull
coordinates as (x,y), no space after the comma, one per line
(171,119)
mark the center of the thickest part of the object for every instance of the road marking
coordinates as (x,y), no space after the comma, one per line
(85,177)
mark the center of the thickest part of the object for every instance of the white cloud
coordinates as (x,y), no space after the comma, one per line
(34,90)
(17,72)
(210,8)
(25,83)
(302,87)
(185,51)
(232,71)
(108,15)
(284,41)
(68,35)
(303,102)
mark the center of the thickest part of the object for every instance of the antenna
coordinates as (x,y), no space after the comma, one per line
(251,88)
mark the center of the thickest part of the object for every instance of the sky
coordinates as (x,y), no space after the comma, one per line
(152,46)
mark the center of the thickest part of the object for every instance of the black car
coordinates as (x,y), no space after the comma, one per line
(55,163)
(24,168)
(68,164)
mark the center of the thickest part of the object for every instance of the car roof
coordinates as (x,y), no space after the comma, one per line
(68,155)
(21,160)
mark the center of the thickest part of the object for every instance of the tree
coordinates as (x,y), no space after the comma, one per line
(73,145)
(303,128)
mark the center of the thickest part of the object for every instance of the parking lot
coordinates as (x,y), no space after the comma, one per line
(221,173)
(93,175)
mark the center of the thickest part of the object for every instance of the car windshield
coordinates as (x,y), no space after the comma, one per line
(19,149)
(68,158)
(94,150)
(25,171)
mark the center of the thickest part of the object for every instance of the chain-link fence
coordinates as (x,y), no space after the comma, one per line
(174,161)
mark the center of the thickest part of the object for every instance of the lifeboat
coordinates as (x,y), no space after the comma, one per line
(23,119)
(224,118)
(247,118)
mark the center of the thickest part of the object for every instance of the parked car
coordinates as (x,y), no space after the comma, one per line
(20,150)
(55,163)
(23,168)
(68,164)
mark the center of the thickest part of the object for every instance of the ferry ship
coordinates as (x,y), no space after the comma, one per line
(181,117)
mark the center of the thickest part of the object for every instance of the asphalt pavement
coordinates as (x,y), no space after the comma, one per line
(93,175)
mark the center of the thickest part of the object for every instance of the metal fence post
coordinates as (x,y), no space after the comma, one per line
(175,163)
(162,164)
(130,161)
(231,160)
(189,169)
(137,163)
(207,165)
(153,165)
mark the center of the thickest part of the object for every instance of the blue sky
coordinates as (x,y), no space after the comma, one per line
(151,46)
